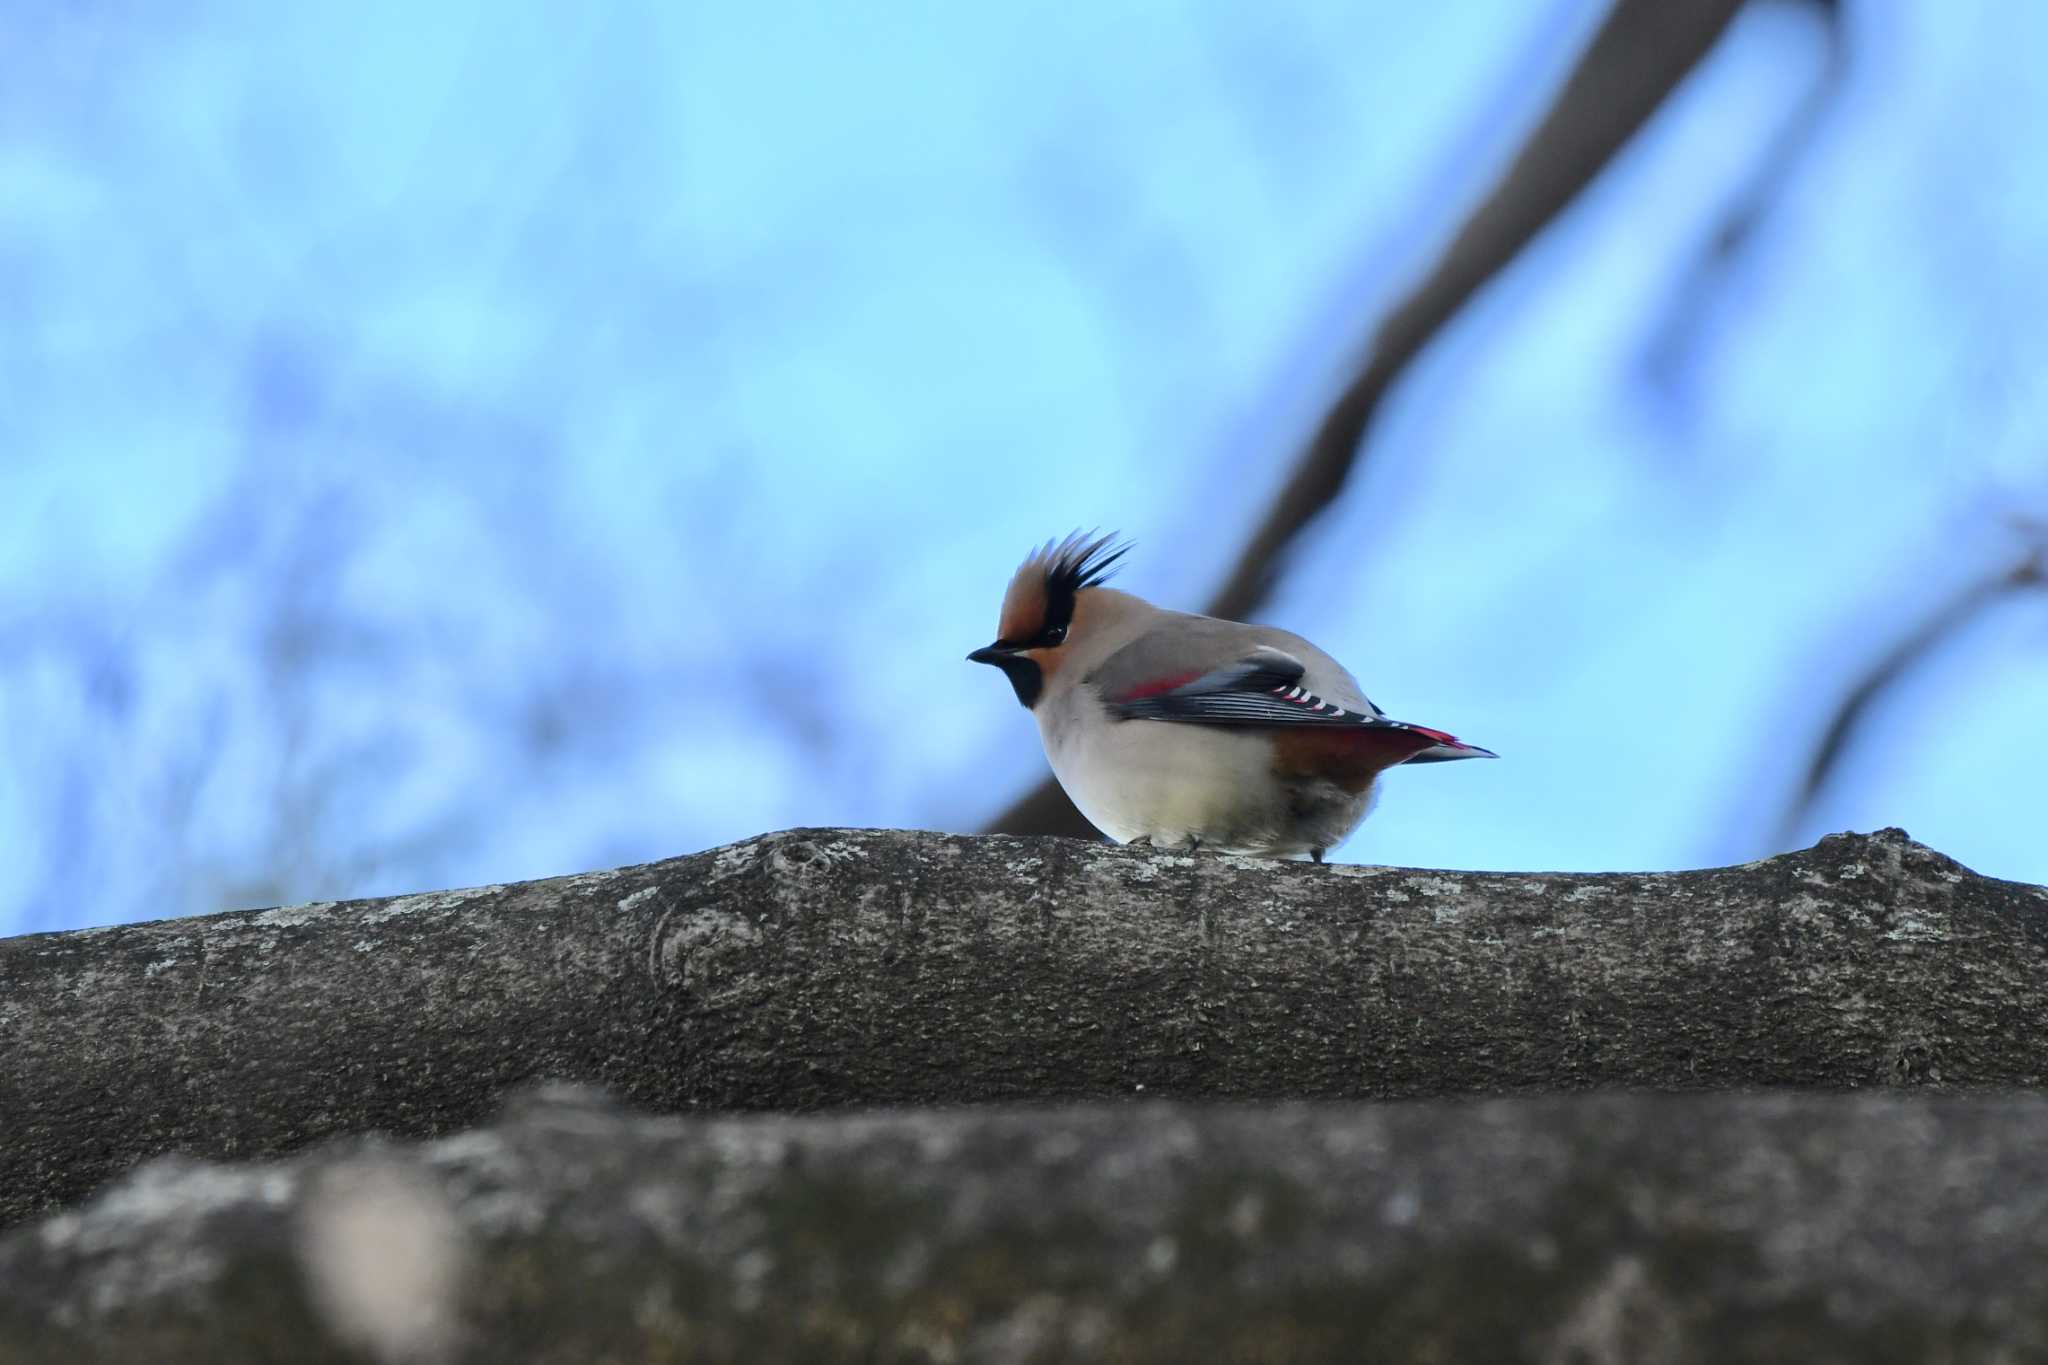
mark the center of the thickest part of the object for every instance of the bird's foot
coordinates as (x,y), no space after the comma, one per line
(1194,843)
(1142,841)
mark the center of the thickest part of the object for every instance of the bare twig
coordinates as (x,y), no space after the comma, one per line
(1676,331)
(1943,624)
(1641,52)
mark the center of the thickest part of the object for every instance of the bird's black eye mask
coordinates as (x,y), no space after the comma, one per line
(1072,565)
(1024,674)
(1051,637)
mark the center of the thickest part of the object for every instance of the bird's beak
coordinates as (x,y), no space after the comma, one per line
(1024,675)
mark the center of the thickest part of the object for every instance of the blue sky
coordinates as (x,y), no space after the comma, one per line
(455,447)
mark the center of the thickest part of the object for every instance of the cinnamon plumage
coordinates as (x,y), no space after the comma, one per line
(1188,731)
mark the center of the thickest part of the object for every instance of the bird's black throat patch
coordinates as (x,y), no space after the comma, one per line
(1024,675)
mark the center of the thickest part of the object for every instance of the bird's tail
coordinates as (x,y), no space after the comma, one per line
(1443,747)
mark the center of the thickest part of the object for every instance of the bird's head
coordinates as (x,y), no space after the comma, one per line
(1045,610)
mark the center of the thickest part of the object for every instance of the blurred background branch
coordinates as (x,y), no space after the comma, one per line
(607,451)
(1868,687)
(1675,334)
(1635,60)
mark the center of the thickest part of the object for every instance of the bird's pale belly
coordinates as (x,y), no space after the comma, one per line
(1177,785)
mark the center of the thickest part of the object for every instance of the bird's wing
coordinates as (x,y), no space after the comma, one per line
(1163,680)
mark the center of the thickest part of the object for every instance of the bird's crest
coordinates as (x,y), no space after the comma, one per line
(1041,596)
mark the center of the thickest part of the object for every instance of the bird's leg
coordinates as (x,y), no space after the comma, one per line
(1194,843)
(1317,855)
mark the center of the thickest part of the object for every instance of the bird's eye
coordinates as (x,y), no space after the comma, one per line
(1055,635)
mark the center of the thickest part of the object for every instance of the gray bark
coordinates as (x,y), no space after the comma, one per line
(1675,1229)
(821,968)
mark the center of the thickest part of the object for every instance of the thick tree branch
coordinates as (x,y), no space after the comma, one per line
(1641,52)
(1616,1228)
(825,968)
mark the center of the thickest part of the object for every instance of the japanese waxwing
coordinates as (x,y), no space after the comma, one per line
(1171,729)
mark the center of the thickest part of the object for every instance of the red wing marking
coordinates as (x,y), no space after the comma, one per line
(1163,685)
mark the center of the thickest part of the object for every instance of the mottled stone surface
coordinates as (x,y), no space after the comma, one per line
(821,968)
(1614,1228)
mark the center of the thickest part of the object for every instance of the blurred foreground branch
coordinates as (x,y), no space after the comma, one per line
(1599,1229)
(1641,52)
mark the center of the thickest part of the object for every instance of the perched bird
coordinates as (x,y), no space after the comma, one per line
(1171,729)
